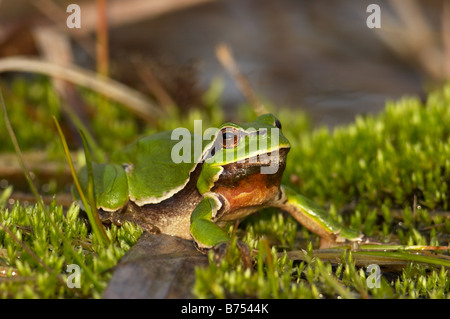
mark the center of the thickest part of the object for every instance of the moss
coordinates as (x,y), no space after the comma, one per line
(30,106)
(25,277)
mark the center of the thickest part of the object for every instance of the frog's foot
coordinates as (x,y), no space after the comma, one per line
(221,250)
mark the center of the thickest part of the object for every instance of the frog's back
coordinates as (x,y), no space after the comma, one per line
(152,174)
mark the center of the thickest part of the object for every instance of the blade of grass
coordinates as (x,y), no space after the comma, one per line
(101,236)
(364,257)
(99,155)
(387,247)
(402,247)
(406,256)
(91,194)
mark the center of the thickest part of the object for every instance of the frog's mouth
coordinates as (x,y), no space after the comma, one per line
(271,164)
(246,187)
(268,159)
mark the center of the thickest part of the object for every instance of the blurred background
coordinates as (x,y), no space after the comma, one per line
(318,56)
(135,67)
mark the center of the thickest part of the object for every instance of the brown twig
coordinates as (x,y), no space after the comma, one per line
(446,37)
(155,88)
(413,38)
(102,38)
(55,47)
(119,92)
(225,56)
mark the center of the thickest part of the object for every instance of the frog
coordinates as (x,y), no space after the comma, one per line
(238,172)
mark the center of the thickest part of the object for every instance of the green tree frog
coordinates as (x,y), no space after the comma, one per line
(236,173)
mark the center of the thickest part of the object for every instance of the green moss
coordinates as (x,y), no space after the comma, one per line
(25,277)
(30,106)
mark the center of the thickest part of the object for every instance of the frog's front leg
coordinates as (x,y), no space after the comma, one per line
(314,218)
(207,234)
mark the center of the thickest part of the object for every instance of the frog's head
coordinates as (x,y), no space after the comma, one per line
(259,143)
(249,160)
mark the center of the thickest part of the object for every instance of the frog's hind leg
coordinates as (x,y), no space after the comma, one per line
(314,218)
(110,190)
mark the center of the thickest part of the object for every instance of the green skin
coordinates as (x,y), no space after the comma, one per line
(142,184)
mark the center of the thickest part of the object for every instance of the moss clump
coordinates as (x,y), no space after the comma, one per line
(22,276)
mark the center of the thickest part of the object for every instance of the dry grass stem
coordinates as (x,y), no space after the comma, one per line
(133,99)
(225,56)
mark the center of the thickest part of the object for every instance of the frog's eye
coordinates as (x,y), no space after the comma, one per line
(230,137)
(277,123)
